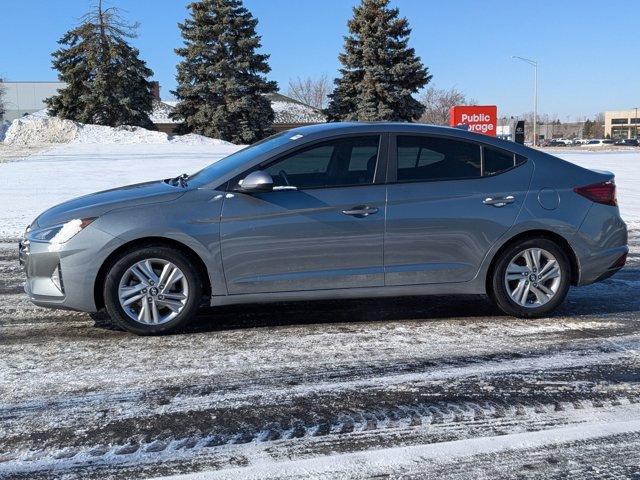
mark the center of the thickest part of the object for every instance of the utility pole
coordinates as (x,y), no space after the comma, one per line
(534,64)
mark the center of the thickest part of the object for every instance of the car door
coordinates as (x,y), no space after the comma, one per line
(322,226)
(448,202)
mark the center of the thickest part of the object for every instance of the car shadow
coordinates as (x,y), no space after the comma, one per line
(340,311)
(617,295)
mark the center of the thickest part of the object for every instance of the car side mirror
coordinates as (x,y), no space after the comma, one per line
(257,181)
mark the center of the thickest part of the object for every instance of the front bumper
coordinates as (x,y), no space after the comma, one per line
(64,276)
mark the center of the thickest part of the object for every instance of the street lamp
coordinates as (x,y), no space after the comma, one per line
(534,64)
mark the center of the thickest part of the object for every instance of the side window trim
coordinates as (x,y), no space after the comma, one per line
(392,158)
(379,176)
(498,149)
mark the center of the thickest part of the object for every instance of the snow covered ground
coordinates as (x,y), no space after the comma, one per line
(442,387)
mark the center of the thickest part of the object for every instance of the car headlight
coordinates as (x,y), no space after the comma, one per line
(62,233)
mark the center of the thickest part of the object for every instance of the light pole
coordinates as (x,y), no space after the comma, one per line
(636,122)
(534,64)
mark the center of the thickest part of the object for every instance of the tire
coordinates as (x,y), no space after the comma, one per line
(530,291)
(161,308)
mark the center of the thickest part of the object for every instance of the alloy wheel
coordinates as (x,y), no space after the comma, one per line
(153,291)
(533,277)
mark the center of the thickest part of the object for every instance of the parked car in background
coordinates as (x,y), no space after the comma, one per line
(628,142)
(556,143)
(337,210)
(598,143)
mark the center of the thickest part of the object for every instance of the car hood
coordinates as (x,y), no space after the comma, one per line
(96,204)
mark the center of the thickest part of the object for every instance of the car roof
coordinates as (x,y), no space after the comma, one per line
(320,130)
(378,127)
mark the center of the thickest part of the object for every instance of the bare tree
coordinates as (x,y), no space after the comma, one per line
(598,128)
(312,91)
(438,102)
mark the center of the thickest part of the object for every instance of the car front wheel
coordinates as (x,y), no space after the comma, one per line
(152,290)
(531,278)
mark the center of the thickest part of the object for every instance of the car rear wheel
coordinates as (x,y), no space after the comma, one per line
(152,290)
(531,278)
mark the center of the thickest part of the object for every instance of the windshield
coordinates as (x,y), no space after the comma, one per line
(227,164)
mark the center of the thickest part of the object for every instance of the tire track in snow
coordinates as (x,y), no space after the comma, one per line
(340,417)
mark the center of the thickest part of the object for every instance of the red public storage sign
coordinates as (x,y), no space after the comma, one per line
(479,118)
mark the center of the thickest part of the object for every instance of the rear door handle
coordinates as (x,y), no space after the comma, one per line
(361,211)
(499,201)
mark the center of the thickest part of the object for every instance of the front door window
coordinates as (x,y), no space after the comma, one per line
(336,163)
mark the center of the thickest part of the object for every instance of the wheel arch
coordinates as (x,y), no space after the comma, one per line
(98,287)
(558,239)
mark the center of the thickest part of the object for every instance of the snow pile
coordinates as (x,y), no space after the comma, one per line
(294,112)
(39,128)
(124,134)
(195,139)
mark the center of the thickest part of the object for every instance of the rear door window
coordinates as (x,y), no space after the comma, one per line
(423,158)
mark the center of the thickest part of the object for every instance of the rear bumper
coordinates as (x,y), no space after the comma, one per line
(601,243)
(601,266)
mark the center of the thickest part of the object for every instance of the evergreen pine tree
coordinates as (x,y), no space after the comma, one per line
(380,73)
(106,81)
(221,78)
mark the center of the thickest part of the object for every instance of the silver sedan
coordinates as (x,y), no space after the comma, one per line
(333,211)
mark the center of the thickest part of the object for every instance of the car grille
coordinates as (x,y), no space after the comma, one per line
(23,249)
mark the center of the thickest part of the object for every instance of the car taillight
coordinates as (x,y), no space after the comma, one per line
(604,192)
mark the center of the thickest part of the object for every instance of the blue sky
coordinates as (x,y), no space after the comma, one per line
(588,51)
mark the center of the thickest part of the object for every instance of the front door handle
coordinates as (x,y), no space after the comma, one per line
(499,201)
(361,211)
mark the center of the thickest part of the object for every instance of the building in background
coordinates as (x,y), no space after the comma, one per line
(291,113)
(23,98)
(622,123)
(546,130)
(504,132)
(568,130)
